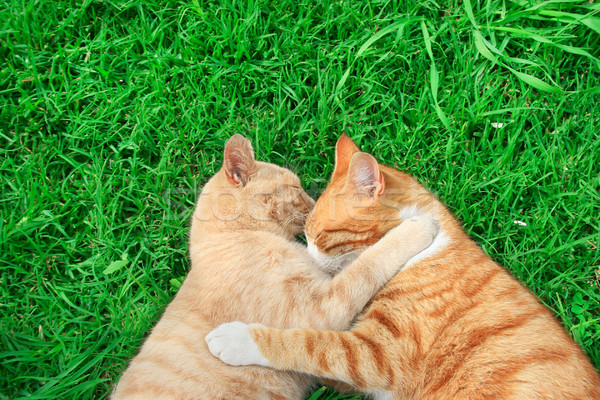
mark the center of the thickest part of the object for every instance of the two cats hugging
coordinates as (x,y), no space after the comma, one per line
(391,298)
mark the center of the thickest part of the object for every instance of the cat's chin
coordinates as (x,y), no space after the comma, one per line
(325,263)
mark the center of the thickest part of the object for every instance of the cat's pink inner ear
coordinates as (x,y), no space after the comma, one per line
(364,176)
(238,160)
(345,148)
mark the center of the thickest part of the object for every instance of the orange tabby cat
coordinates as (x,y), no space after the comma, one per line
(247,266)
(452,325)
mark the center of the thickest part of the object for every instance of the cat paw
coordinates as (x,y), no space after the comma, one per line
(232,343)
(417,232)
(424,224)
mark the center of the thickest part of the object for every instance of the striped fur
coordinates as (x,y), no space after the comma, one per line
(451,325)
(246,266)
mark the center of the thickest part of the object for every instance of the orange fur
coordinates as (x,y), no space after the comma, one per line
(246,266)
(452,325)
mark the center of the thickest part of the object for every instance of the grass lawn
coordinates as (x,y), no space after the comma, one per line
(114,114)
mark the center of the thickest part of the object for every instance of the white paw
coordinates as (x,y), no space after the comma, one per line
(232,343)
(425,225)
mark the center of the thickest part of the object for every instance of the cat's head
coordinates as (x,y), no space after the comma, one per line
(249,194)
(361,203)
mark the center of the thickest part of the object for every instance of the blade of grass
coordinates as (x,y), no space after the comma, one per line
(434,77)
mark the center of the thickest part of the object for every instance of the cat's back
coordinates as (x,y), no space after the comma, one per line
(477,333)
(230,279)
(174,363)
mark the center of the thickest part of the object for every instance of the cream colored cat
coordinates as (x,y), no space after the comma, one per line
(246,266)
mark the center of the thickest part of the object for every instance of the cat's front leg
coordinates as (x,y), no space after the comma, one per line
(329,354)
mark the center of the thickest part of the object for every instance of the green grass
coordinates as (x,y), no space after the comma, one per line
(113,114)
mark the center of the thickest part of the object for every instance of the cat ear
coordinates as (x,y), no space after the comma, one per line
(345,148)
(238,160)
(365,180)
